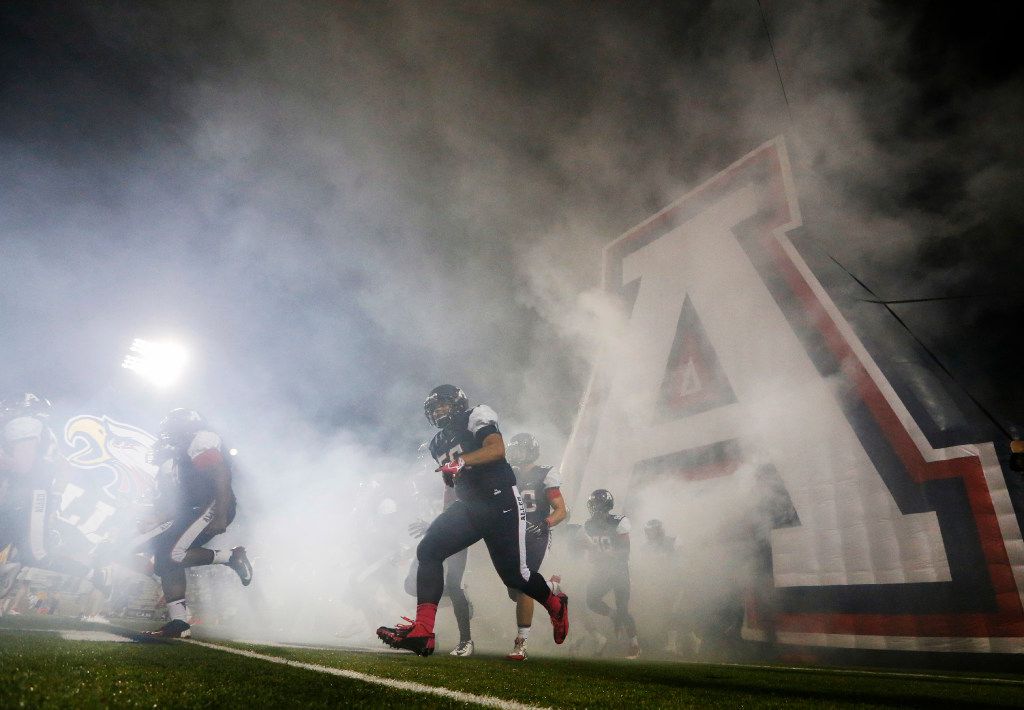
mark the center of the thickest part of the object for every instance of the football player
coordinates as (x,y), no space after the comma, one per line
(430,506)
(470,452)
(34,474)
(540,488)
(195,504)
(608,535)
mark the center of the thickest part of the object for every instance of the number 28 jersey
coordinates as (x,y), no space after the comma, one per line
(465,434)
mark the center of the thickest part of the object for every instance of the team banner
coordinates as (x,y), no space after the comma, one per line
(733,363)
(110,478)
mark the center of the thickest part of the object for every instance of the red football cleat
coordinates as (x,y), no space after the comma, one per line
(560,623)
(406,637)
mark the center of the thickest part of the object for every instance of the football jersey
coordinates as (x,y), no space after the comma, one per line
(187,477)
(605,532)
(533,486)
(44,466)
(467,434)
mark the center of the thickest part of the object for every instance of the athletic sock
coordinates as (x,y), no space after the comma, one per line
(178,610)
(425,614)
(221,557)
(524,632)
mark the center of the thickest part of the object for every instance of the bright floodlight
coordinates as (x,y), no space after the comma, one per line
(160,363)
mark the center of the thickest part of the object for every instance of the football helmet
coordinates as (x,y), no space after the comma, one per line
(25,404)
(654,530)
(600,501)
(522,449)
(451,395)
(180,425)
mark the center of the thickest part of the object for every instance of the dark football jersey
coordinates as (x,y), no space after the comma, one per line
(663,546)
(187,479)
(610,550)
(533,486)
(466,434)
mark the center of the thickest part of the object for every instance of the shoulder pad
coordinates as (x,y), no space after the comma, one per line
(623,526)
(202,442)
(551,478)
(481,416)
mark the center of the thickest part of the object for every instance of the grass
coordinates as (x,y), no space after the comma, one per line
(40,669)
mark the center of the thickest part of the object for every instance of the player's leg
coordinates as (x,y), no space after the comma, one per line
(449,533)
(195,555)
(624,618)
(169,551)
(598,586)
(504,520)
(455,568)
(172,582)
(536,547)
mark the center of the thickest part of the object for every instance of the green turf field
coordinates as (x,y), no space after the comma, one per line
(40,668)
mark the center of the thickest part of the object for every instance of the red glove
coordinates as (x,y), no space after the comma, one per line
(451,470)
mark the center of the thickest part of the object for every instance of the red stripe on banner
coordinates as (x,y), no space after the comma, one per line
(1009,620)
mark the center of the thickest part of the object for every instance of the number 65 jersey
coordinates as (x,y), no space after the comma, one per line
(467,433)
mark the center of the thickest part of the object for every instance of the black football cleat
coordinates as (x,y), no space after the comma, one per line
(402,637)
(239,562)
(560,623)
(173,629)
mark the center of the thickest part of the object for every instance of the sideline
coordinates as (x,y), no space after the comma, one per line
(462,697)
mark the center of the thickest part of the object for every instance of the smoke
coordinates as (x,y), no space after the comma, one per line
(340,206)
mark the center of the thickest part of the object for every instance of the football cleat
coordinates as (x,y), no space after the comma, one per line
(239,562)
(634,649)
(402,637)
(465,648)
(518,650)
(173,629)
(560,623)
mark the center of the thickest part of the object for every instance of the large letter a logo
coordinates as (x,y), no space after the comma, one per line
(733,345)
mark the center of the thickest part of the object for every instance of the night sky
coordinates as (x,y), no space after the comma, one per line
(339,205)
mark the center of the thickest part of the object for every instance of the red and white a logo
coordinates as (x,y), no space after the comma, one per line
(735,356)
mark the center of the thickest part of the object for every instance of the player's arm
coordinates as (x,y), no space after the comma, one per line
(221,476)
(493,449)
(207,457)
(621,547)
(558,511)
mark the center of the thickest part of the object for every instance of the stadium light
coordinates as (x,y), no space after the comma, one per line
(160,363)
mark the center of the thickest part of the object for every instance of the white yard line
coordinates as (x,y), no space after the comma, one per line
(485,700)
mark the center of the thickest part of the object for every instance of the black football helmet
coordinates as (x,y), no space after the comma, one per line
(25,404)
(600,501)
(654,530)
(522,449)
(180,425)
(445,394)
